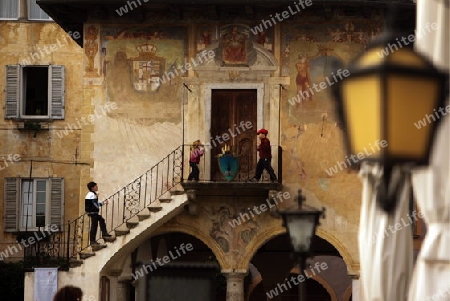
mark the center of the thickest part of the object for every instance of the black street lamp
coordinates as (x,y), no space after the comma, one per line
(382,101)
(301,227)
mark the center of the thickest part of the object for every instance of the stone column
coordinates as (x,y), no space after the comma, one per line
(356,291)
(235,285)
(122,288)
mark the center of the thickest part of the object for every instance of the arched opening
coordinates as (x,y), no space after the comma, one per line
(314,291)
(277,267)
(178,264)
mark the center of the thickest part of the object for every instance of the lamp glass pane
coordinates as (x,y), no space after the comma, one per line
(410,104)
(301,229)
(372,57)
(361,102)
(406,57)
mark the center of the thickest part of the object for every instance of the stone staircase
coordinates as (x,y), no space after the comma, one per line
(158,210)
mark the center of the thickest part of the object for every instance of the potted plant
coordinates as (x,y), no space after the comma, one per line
(32,126)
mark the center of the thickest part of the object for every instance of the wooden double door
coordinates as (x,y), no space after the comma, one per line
(233,123)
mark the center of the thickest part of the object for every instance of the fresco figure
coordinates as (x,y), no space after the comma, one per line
(234,46)
(206,38)
(91,47)
(303,78)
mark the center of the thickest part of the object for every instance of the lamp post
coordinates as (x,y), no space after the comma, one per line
(382,101)
(301,226)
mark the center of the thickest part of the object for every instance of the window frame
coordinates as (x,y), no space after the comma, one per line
(31,3)
(17,15)
(14,215)
(22,102)
(15,86)
(34,203)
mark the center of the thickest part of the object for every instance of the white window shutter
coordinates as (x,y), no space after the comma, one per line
(9,9)
(57,91)
(57,202)
(12,91)
(35,12)
(11,204)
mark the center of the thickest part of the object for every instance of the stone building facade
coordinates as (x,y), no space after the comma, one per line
(143,81)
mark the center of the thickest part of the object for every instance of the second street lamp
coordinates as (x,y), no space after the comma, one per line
(301,227)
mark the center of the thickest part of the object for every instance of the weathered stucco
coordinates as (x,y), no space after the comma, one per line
(126,131)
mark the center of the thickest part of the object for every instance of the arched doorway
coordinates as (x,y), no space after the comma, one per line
(176,266)
(277,266)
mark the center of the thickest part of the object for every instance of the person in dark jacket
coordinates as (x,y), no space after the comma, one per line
(93,208)
(265,157)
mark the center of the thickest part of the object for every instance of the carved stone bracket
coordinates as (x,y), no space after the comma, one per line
(192,197)
(273,200)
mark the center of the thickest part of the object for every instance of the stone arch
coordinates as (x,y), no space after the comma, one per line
(326,286)
(257,242)
(208,241)
(348,293)
(352,266)
(264,236)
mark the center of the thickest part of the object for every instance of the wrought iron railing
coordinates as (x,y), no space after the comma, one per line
(248,158)
(59,248)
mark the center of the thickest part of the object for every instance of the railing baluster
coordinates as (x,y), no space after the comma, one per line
(68,241)
(156,182)
(145,190)
(124,203)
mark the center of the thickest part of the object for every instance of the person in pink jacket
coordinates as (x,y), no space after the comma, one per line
(197,150)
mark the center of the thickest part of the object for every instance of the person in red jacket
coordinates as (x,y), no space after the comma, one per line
(265,156)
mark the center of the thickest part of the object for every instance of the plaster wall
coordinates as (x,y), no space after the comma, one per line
(52,152)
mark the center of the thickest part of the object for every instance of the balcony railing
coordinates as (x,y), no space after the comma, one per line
(210,171)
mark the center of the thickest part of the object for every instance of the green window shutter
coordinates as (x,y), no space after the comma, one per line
(57,91)
(12,91)
(57,202)
(11,204)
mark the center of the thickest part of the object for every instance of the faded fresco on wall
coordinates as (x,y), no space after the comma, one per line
(315,56)
(143,67)
(208,34)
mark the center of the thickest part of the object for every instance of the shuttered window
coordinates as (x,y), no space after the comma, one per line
(9,9)
(35,12)
(35,92)
(57,92)
(11,204)
(33,204)
(12,91)
(57,202)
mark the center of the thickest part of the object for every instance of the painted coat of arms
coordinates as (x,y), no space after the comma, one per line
(146,69)
(228,163)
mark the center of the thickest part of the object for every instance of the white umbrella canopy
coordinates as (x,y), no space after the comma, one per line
(385,242)
(431,278)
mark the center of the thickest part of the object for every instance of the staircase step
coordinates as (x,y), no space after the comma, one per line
(132,222)
(73,263)
(109,239)
(97,247)
(165,200)
(84,255)
(122,230)
(154,208)
(177,192)
(144,214)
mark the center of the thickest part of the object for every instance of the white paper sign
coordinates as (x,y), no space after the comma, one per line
(45,283)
